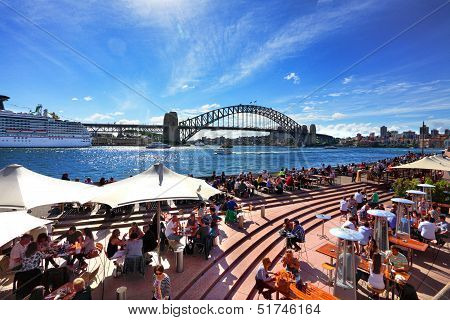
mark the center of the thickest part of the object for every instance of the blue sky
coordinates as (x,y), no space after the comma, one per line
(192,56)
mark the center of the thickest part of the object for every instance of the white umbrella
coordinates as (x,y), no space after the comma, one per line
(15,223)
(158,183)
(21,188)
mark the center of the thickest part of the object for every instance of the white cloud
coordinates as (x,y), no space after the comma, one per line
(292,76)
(347,80)
(338,115)
(336,94)
(308,108)
(187,87)
(156,120)
(126,121)
(74,99)
(98,116)
(117,113)
(345,130)
(88,98)
(208,107)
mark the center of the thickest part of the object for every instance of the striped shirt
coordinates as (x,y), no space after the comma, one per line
(398,261)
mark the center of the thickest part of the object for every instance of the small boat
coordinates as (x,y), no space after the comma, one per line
(330,147)
(223,150)
(158,145)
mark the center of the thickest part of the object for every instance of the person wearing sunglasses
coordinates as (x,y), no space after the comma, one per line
(161,284)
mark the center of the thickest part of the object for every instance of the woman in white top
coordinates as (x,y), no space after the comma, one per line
(376,277)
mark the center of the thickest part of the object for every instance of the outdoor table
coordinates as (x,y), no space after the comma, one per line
(324,218)
(330,250)
(66,291)
(309,292)
(409,244)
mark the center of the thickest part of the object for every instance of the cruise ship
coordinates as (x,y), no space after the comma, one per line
(39,130)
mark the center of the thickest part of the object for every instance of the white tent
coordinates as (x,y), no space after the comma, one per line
(158,183)
(15,223)
(437,162)
(21,188)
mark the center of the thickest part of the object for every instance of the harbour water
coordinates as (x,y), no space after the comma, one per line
(121,162)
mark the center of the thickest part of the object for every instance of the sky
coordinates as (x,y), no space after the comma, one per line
(347,66)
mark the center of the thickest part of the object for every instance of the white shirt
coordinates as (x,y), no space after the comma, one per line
(348,224)
(169,228)
(344,205)
(366,232)
(427,230)
(359,197)
(17,252)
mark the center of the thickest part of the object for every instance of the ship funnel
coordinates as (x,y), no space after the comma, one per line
(3,98)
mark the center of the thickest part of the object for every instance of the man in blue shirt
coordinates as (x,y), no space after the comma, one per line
(232,205)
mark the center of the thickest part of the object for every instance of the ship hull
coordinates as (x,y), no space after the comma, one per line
(43,142)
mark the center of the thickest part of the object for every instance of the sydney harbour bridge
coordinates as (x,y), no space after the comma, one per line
(237,118)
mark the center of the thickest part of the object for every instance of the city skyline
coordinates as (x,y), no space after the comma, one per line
(195,56)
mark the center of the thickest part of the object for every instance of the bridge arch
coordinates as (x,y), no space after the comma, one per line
(188,128)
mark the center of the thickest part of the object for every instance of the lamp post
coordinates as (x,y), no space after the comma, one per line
(345,275)
(428,189)
(381,228)
(403,223)
(415,197)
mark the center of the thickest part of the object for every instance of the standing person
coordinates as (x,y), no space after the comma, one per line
(359,197)
(366,232)
(161,284)
(343,206)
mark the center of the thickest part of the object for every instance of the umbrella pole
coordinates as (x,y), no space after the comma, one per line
(158,230)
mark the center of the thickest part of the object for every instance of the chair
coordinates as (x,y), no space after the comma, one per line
(329,268)
(375,293)
(303,249)
(134,264)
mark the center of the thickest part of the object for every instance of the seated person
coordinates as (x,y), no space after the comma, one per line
(263,279)
(114,243)
(350,223)
(442,230)
(371,248)
(192,224)
(298,235)
(82,292)
(396,259)
(43,241)
(427,229)
(203,231)
(172,229)
(376,272)
(148,240)
(135,229)
(134,246)
(366,232)
(18,252)
(87,247)
(291,264)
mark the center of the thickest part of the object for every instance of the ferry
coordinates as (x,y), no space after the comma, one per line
(39,129)
(224,150)
(158,145)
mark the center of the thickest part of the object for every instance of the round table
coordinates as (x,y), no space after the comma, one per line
(324,218)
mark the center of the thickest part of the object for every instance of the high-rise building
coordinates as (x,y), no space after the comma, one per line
(424,130)
(383,132)
(434,133)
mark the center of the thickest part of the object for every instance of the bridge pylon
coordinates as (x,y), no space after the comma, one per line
(171,132)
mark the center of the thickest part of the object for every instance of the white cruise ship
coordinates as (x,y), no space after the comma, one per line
(38,130)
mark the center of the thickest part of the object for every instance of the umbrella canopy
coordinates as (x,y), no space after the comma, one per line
(158,183)
(381,213)
(21,188)
(428,163)
(15,223)
(346,234)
